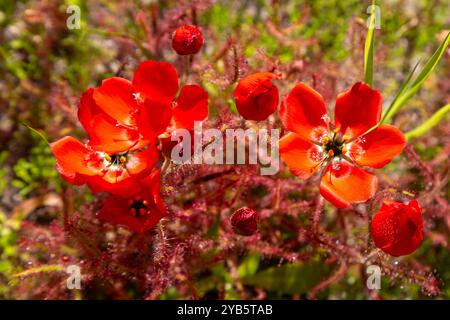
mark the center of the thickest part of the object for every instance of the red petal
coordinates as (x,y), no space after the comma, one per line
(115,175)
(377,148)
(87,109)
(191,105)
(256,97)
(116,180)
(154,117)
(105,134)
(301,156)
(303,111)
(357,110)
(117,209)
(115,98)
(74,160)
(112,138)
(138,163)
(159,204)
(344,184)
(155,80)
(152,183)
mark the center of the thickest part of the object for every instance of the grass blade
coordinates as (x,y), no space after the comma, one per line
(406,85)
(40,134)
(419,80)
(429,124)
(369,48)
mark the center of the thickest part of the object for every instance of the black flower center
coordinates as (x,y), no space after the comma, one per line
(334,146)
(139,207)
(117,158)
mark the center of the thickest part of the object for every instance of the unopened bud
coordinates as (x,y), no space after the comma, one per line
(245,221)
(187,40)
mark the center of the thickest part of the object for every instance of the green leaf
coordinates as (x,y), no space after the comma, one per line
(249,266)
(293,278)
(405,86)
(418,81)
(369,48)
(429,124)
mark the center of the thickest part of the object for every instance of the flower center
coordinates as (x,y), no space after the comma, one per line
(117,158)
(138,207)
(334,146)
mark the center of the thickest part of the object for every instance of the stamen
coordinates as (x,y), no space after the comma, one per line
(122,159)
(108,157)
(137,97)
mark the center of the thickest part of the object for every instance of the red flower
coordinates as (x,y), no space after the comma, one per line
(397,229)
(140,212)
(189,106)
(123,120)
(244,221)
(342,148)
(256,97)
(103,172)
(143,108)
(187,40)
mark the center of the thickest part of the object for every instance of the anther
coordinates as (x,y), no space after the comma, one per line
(108,157)
(122,159)
(325,140)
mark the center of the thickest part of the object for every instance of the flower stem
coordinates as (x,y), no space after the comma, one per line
(187,62)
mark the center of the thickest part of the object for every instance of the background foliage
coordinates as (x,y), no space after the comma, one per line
(305,249)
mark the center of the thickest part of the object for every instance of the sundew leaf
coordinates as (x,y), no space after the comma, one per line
(429,67)
(293,278)
(369,48)
(44,268)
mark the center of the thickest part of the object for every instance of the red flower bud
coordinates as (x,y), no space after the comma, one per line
(244,221)
(187,39)
(397,229)
(256,96)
